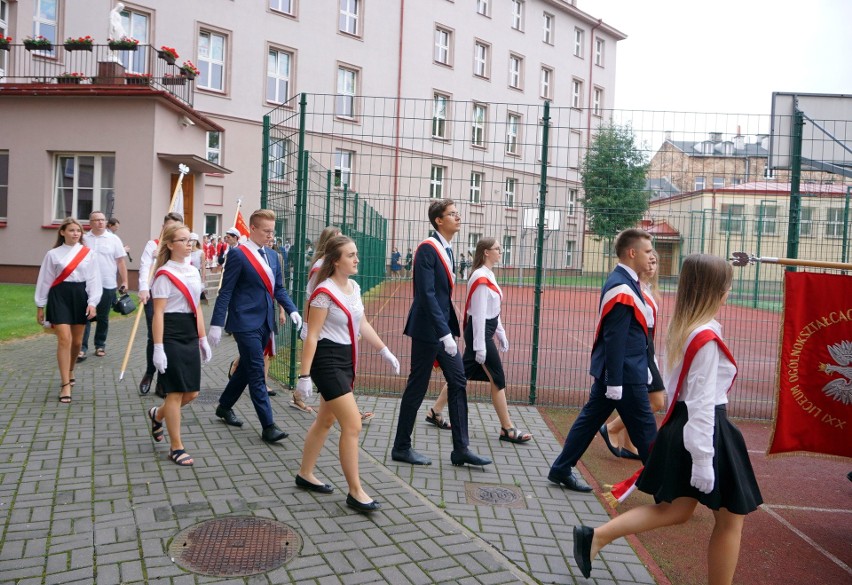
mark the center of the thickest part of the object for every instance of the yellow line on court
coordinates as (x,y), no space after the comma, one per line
(382,308)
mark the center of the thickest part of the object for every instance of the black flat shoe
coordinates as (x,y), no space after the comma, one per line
(145,384)
(228,416)
(371,506)
(272,434)
(625,454)
(410,456)
(458,458)
(583,549)
(572,481)
(320,488)
(605,434)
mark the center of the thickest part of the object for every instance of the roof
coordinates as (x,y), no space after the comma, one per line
(660,188)
(693,148)
(660,230)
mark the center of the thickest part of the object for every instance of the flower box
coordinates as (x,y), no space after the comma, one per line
(69,80)
(174,80)
(5,42)
(32,45)
(77,47)
(122,46)
(137,81)
(187,74)
(167,54)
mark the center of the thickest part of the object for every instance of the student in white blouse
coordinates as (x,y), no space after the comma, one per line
(699,455)
(481,357)
(69,285)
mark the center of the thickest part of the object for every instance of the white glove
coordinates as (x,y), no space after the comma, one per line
(613,392)
(206,352)
(304,388)
(390,359)
(160,360)
(214,336)
(502,341)
(296,318)
(480,356)
(303,332)
(650,376)
(449,344)
(703,476)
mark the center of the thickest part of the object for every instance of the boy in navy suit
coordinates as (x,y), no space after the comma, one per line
(619,362)
(250,284)
(432,325)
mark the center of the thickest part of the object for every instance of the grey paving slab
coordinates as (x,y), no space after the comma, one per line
(87,497)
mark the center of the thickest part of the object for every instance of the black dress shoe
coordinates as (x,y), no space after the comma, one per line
(320,488)
(605,434)
(572,481)
(145,384)
(227,415)
(410,456)
(625,454)
(272,434)
(467,456)
(583,549)
(371,506)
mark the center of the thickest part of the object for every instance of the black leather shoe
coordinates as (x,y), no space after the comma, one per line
(410,456)
(583,549)
(320,488)
(227,415)
(371,506)
(572,481)
(605,434)
(625,454)
(145,384)
(467,456)
(272,434)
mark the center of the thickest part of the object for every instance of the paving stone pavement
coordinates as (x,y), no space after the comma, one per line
(87,497)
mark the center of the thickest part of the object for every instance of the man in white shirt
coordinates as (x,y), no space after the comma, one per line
(110,254)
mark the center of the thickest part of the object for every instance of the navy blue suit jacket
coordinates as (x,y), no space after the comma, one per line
(432,315)
(620,352)
(243,303)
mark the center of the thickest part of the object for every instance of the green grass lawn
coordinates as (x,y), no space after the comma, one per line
(17,311)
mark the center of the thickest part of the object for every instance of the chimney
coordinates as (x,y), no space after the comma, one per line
(763,141)
(716,136)
(668,135)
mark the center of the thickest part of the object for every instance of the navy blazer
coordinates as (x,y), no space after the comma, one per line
(243,298)
(620,353)
(432,315)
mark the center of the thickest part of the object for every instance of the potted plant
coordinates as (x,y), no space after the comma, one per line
(137,79)
(169,79)
(189,70)
(5,42)
(79,44)
(167,54)
(123,44)
(38,43)
(70,78)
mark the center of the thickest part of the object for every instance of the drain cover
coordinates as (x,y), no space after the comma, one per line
(206,397)
(503,496)
(235,546)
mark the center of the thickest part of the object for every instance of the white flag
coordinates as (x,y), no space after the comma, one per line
(177,204)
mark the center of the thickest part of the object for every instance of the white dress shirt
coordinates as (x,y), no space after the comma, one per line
(107,248)
(484,304)
(55,262)
(163,288)
(336,326)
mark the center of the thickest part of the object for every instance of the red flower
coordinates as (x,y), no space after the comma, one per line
(170,51)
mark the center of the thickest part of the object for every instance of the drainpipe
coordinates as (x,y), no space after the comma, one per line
(396,123)
(591,83)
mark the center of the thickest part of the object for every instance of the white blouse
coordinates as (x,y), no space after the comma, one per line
(706,385)
(336,326)
(653,306)
(163,288)
(484,304)
(55,262)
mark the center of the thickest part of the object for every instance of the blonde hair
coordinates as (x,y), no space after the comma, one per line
(333,253)
(328,233)
(261,214)
(163,252)
(60,239)
(479,254)
(653,283)
(704,280)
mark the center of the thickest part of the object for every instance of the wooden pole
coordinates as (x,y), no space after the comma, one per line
(743,259)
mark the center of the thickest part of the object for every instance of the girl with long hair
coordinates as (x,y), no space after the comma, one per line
(699,455)
(69,285)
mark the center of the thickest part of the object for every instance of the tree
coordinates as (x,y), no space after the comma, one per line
(614,181)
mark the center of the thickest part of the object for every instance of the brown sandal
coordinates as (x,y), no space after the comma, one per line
(513,435)
(299,404)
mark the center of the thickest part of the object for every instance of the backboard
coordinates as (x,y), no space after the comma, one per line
(552,218)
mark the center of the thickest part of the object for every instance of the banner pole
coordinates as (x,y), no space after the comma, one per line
(236,215)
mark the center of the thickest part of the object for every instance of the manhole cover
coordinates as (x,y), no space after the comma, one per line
(206,397)
(503,496)
(235,546)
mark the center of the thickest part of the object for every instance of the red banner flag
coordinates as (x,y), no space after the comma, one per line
(241,225)
(814,402)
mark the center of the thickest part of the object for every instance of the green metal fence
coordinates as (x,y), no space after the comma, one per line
(372,165)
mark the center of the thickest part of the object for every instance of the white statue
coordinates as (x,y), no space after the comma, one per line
(116,29)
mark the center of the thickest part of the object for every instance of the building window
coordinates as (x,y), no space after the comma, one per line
(347,85)
(572,202)
(472,240)
(348,21)
(278,68)
(279,149)
(476,187)
(436,182)
(343,160)
(511,185)
(212,223)
(211,60)
(834,222)
(806,226)
(477,136)
(83,183)
(718,182)
(285,6)
(518,14)
(599,52)
(214,148)
(482,7)
(136,24)
(597,101)
(4,31)
(576,93)
(45,23)
(578,42)
(508,248)
(513,127)
(731,218)
(4,181)
(481,67)
(767,220)
(443,46)
(546,82)
(439,116)
(516,67)
(547,28)
(570,247)
(699,183)
(575,139)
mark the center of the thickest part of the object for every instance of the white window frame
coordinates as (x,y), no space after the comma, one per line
(576,93)
(136,61)
(4,31)
(100,193)
(478,125)
(443,46)
(737,218)
(508,249)
(440,125)
(518,15)
(600,48)
(546,83)
(834,222)
(349,17)
(516,71)
(510,191)
(597,101)
(570,250)
(700,183)
(43,25)
(279,150)
(287,7)
(575,140)
(344,102)
(344,162)
(572,201)
(768,224)
(213,150)
(4,182)
(473,239)
(579,40)
(436,182)
(718,182)
(275,75)
(806,222)
(481,60)
(513,132)
(208,62)
(547,26)
(477,178)
(482,7)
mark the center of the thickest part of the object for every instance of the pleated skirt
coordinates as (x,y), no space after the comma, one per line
(473,370)
(180,342)
(66,304)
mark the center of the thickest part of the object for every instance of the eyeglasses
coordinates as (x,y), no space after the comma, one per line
(497,249)
(454,214)
(182,241)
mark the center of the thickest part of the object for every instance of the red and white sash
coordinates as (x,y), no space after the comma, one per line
(445,260)
(72,264)
(482,280)
(261,270)
(652,304)
(323,288)
(179,284)
(622,294)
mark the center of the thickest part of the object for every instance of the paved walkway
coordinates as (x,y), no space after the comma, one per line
(87,497)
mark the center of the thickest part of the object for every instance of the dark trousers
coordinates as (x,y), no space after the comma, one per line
(635,411)
(250,372)
(103,308)
(423,355)
(149,348)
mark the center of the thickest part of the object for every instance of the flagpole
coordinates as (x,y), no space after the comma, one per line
(744,259)
(236,215)
(183,170)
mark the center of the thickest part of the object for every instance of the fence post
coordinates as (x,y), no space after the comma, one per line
(328,197)
(542,194)
(264,164)
(845,246)
(298,258)
(795,179)
(345,197)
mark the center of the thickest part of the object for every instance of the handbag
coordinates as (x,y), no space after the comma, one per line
(124,304)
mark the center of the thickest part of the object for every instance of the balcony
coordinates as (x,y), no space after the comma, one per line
(95,68)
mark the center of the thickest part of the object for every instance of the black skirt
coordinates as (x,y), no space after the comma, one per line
(66,304)
(657,383)
(475,371)
(669,468)
(180,342)
(332,370)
